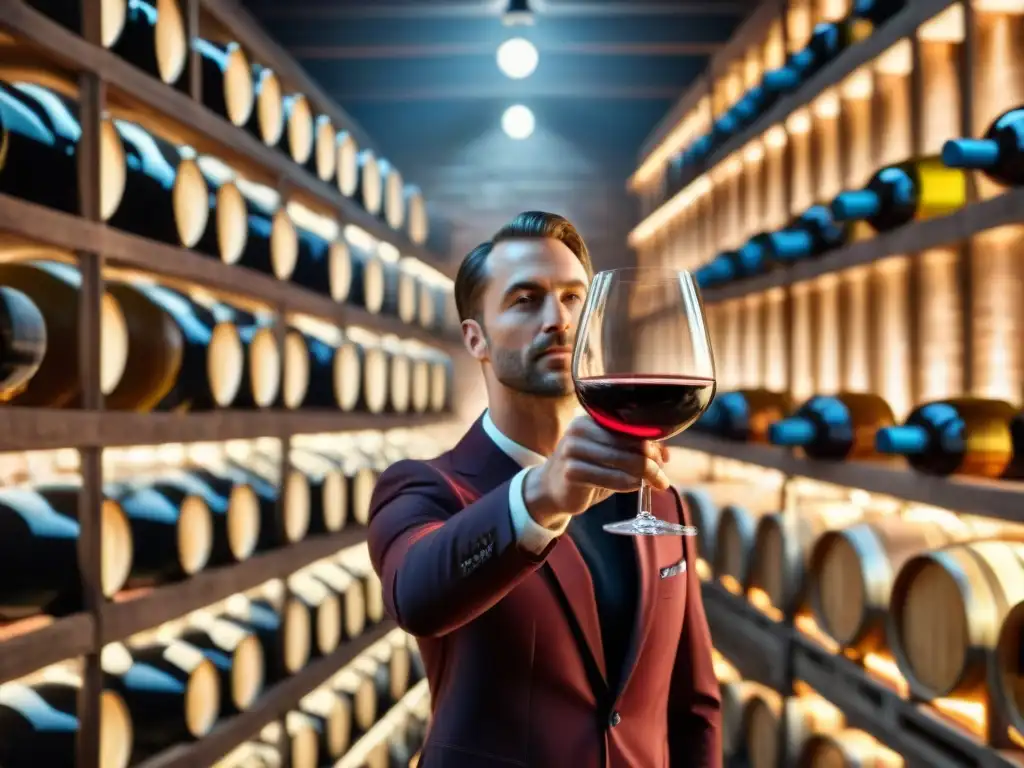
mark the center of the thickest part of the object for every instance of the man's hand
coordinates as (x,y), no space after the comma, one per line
(589,464)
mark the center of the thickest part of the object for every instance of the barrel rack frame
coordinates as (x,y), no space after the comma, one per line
(108,83)
(777,654)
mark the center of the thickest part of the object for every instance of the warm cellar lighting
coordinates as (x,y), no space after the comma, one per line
(518,122)
(517,58)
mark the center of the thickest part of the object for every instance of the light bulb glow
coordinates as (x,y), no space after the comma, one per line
(518,122)
(517,58)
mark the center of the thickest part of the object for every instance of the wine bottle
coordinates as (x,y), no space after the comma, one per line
(293,741)
(156,348)
(154,39)
(358,692)
(968,436)
(41,131)
(212,358)
(828,40)
(171,541)
(236,653)
(235,514)
(420,384)
(298,126)
(324,609)
(999,154)
(327,491)
(271,242)
(39,726)
(332,720)
(877,11)
(166,197)
(347,154)
(749,259)
(22,341)
(55,288)
(370,191)
(39,568)
(266,122)
(393,204)
(745,415)
(172,690)
(278,527)
(315,266)
(350,594)
(813,233)
(324,160)
(374,395)
(68,13)
(836,427)
(902,193)
(261,374)
(284,634)
(314,375)
(227,85)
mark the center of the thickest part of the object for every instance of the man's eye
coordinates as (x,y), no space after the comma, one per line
(574,297)
(523,300)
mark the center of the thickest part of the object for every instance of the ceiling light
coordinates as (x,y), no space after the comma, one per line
(517,58)
(518,122)
(517,13)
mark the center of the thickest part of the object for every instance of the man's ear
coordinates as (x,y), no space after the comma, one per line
(474,340)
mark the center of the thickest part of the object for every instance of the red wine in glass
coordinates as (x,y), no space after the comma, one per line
(645,379)
(647,407)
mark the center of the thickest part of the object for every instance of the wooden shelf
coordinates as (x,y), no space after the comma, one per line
(35,648)
(766,651)
(25,429)
(73,636)
(206,131)
(898,27)
(1000,499)
(273,704)
(123,619)
(61,230)
(919,236)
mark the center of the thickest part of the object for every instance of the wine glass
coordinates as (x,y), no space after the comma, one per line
(642,366)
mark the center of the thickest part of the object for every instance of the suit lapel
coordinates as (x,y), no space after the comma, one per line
(572,579)
(647,568)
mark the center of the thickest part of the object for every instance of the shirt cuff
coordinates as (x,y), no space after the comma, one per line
(530,535)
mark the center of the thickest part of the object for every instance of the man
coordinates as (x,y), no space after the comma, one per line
(547,641)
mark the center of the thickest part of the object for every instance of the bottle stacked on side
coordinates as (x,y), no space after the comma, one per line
(828,40)
(330,722)
(152,35)
(173,684)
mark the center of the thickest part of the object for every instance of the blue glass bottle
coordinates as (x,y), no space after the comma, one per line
(835,428)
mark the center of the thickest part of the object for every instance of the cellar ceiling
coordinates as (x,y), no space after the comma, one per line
(420,77)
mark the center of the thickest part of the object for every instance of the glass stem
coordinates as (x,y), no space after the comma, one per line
(645,502)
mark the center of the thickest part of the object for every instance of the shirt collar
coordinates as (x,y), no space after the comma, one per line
(520,454)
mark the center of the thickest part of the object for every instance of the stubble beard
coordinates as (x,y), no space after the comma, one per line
(521,371)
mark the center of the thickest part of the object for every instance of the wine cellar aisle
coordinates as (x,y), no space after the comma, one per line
(219,322)
(845,182)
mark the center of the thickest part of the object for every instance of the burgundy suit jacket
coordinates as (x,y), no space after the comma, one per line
(511,641)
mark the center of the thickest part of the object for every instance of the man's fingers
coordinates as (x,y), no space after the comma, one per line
(584,473)
(635,465)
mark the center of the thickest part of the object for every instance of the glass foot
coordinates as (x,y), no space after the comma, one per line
(649,526)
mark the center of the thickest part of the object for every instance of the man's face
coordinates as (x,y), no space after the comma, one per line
(531,308)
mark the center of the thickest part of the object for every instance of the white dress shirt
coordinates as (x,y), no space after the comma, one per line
(530,535)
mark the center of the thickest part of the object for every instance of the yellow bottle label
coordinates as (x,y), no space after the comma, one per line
(941,190)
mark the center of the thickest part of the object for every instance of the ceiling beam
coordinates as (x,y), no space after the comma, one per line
(445,50)
(536,91)
(491,9)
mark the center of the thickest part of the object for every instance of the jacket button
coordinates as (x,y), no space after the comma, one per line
(614,719)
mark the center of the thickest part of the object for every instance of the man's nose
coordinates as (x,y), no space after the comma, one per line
(557,316)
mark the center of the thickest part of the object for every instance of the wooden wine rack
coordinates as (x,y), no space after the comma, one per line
(927,311)
(108,83)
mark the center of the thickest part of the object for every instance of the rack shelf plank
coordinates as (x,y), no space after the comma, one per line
(1001,499)
(757,646)
(919,236)
(274,703)
(61,230)
(64,638)
(208,131)
(122,619)
(37,429)
(920,734)
(895,29)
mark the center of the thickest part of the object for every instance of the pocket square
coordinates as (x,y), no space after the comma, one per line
(673,570)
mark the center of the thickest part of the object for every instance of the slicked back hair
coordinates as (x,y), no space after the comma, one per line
(472,276)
